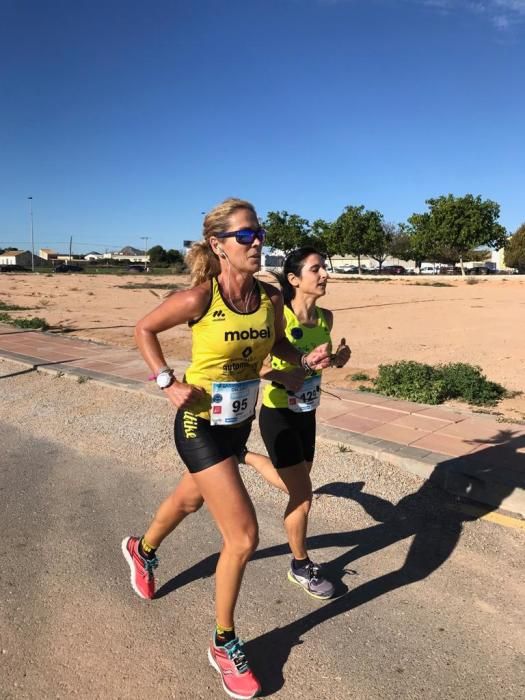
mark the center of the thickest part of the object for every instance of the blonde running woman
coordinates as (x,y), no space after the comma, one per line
(287,418)
(235,321)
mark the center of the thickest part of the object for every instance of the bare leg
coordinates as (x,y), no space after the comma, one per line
(231,507)
(185,499)
(264,466)
(299,486)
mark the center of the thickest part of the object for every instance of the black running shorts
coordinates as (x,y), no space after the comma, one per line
(202,445)
(289,437)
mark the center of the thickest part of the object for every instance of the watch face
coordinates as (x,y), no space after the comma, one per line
(164,379)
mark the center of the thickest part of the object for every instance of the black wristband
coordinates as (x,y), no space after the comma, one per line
(304,363)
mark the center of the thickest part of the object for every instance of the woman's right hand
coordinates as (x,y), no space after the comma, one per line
(182,395)
(292,379)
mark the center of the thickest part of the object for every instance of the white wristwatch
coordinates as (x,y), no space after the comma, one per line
(165,378)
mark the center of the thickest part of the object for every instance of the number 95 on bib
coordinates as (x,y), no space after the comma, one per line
(233,402)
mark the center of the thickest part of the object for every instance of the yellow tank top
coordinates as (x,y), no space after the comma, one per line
(304,338)
(229,346)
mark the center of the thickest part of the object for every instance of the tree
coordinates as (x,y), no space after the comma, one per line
(400,246)
(381,247)
(423,244)
(322,238)
(175,256)
(515,250)
(286,231)
(458,224)
(357,232)
(157,255)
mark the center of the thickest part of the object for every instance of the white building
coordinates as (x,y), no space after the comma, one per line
(20,257)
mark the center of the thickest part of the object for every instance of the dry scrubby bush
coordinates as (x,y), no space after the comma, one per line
(33,322)
(424,383)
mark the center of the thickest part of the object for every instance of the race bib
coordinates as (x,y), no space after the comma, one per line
(233,402)
(308,397)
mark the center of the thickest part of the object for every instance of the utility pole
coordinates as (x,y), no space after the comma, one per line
(32,234)
(145,238)
(70,246)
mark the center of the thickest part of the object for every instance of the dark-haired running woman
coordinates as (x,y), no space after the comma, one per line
(287,419)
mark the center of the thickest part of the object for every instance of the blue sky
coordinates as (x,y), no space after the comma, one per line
(126,119)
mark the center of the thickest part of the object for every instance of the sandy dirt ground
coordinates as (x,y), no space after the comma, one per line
(476,320)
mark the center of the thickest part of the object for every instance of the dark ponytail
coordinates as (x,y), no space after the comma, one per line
(293,263)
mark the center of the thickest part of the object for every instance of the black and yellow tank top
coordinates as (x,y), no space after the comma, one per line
(229,346)
(304,338)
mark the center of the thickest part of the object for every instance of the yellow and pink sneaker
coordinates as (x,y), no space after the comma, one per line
(142,579)
(237,678)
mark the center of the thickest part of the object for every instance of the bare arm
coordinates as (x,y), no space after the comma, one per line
(178,308)
(318,358)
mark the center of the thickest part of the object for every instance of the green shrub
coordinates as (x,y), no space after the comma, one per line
(359,377)
(12,307)
(423,383)
(413,381)
(24,322)
(468,383)
(33,322)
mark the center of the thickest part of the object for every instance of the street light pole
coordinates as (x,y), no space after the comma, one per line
(145,238)
(32,235)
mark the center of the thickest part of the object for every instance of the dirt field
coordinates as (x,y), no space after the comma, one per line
(477,320)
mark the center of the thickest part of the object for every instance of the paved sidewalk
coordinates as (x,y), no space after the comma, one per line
(468,454)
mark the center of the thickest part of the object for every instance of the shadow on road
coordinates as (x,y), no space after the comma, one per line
(428,515)
(35,367)
(64,330)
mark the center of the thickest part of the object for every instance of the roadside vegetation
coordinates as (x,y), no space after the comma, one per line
(12,307)
(149,285)
(33,322)
(422,383)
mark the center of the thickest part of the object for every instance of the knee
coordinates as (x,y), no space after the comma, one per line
(301,498)
(192,505)
(243,544)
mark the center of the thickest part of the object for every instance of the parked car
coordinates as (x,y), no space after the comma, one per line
(67,267)
(478,271)
(346,269)
(393,270)
(137,268)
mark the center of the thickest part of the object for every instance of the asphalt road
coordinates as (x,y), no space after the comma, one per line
(433,608)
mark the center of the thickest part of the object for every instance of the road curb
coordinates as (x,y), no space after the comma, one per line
(454,475)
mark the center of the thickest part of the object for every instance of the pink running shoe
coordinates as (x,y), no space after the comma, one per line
(142,579)
(230,661)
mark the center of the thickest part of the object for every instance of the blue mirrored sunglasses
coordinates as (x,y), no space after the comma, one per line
(245,236)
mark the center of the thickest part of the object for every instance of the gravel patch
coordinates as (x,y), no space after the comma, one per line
(351,490)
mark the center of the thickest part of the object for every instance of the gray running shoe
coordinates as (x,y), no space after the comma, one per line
(314,583)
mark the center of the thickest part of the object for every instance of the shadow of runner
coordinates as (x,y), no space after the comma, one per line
(427,515)
(37,366)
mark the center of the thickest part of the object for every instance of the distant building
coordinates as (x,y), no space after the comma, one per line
(498,257)
(272,261)
(138,258)
(52,256)
(21,257)
(48,254)
(130,252)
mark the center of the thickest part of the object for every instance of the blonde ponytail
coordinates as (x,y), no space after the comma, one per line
(203,263)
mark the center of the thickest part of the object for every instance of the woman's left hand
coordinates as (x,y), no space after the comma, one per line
(319,357)
(341,355)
